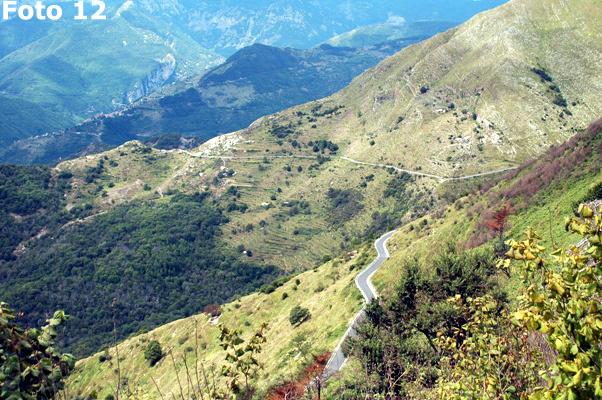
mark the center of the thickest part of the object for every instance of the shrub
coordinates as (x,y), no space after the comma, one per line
(299,315)
(594,193)
(242,364)
(30,366)
(214,310)
(543,74)
(507,369)
(104,357)
(345,203)
(562,302)
(153,353)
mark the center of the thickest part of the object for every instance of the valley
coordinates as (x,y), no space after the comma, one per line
(302,186)
(53,74)
(462,219)
(209,240)
(166,48)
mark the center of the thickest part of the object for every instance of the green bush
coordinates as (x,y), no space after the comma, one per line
(396,342)
(299,315)
(594,193)
(30,365)
(153,353)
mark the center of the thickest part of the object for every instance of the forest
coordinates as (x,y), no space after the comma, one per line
(137,266)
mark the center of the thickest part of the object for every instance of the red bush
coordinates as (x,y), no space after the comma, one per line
(214,310)
(296,389)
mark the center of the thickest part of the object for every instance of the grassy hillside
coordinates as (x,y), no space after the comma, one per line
(489,93)
(540,194)
(328,292)
(463,124)
(452,251)
(315,181)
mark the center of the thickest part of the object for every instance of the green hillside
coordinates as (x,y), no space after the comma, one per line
(453,250)
(382,118)
(304,186)
(70,71)
(554,183)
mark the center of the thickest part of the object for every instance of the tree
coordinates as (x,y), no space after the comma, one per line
(30,365)
(153,353)
(301,347)
(241,359)
(498,223)
(299,315)
(486,357)
(562,301)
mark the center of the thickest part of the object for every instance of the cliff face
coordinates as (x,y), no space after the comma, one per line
(162,74)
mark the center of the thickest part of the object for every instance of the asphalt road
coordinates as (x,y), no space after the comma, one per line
(364,284)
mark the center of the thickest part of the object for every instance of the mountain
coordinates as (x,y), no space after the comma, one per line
(307,184)
(230,25)
(55,75)
(394,28)
(67,72)
(485,95)
(256,81)
(14,37)
(541,190)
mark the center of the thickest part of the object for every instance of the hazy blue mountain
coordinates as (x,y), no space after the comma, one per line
(395,28)
(228,25)
(62,73)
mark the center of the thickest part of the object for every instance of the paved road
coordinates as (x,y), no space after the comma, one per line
(364,284)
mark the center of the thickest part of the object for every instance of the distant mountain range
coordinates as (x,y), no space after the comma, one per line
(393,29)
(229,25)
(56,75)
(66,72)
(256,81)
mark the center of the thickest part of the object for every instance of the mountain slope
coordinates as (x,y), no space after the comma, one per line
(314,181)
(131,260)
(74,70)
(555,182)
(256,81)
(70,71)
(494,91)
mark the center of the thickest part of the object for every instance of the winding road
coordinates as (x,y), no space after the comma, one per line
(352,161)
(364,284)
